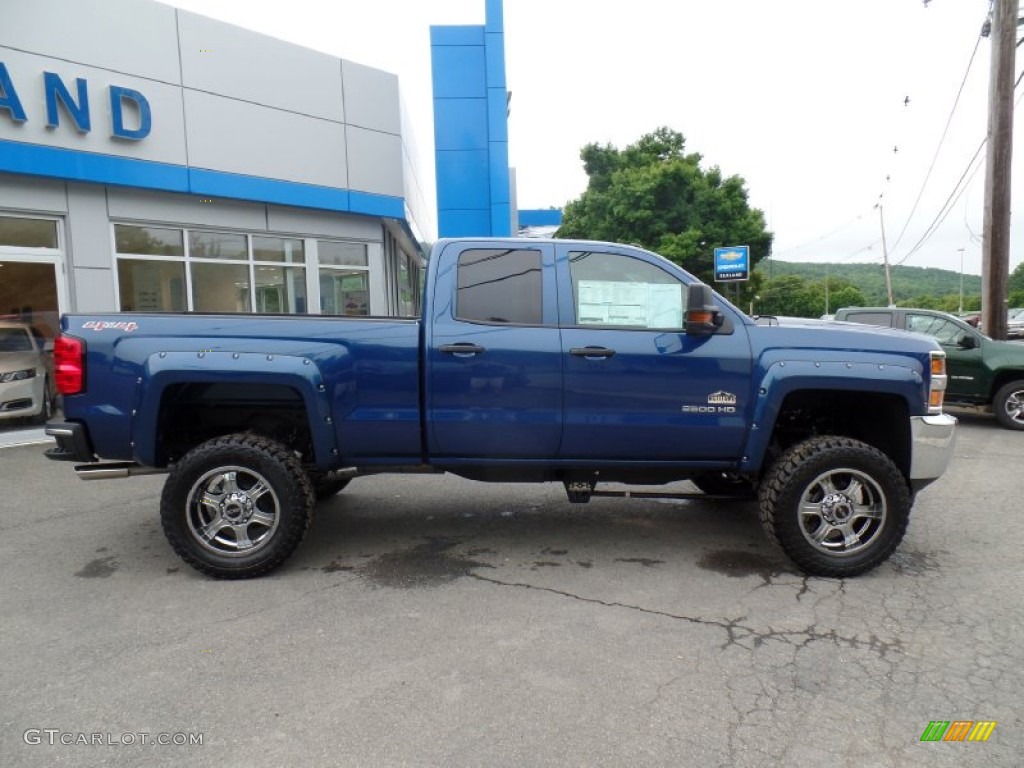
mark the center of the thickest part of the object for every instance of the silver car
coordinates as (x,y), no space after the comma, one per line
(1015,324)
(26,391)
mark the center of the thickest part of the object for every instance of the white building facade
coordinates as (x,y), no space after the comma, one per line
(152,159)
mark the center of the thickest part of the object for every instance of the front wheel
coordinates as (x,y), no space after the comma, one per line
(236,506)
(838,507)
(1008,405)
(46,406)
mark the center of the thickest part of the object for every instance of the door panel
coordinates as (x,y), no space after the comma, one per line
(968,376)
(494,355)
(637,387)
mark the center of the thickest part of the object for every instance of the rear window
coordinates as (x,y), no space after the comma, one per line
(869,318)
(498,285)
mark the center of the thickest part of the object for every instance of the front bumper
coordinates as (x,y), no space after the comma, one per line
(932,441)
(73,442)
(21,399)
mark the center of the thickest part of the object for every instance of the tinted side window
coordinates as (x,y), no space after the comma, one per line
(612,289)
(870,318)
(499,286)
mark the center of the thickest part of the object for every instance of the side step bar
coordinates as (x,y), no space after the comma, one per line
(113,469)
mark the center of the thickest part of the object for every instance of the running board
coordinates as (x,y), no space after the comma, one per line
(656,495)
(113,469)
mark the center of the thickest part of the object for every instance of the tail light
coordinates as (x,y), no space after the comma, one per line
(937,382)
(69,364)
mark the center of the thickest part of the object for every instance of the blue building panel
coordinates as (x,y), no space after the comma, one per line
(497,114)
(495,56)
(501,220)
(460,124)
(371,204)
(37,160)
(464,223)
(459,71)
(471,152)
(540,217)
(499,174)
(495,16)
(462,179)
(454,35)
(242,187)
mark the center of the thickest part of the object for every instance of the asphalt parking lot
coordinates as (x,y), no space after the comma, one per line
(434,621)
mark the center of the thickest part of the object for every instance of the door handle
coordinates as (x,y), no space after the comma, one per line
(462,348)
(592,352)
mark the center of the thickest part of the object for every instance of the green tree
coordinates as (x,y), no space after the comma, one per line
(655,195)
(1016,286)
(787,295)
(841,293)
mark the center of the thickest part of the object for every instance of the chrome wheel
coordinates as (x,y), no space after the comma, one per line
(1008,405)
(837,506)
(232,511)
(842,511)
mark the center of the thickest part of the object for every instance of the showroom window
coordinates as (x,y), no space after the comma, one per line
(344,277)
(22,232)
(162,269)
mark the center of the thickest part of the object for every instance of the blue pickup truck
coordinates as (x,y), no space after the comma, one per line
(558,360)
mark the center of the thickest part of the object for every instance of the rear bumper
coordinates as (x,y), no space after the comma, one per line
(73,442)
(932,442)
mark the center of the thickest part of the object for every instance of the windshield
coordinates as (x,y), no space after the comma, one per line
(15,340)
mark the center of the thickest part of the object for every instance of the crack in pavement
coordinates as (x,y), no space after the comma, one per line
(736,632)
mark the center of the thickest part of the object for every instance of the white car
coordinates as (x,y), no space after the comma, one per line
(26,391)
(1015,324)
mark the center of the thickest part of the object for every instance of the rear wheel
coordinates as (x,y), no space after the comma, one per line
(838,507)
(236,506)
(1008,405)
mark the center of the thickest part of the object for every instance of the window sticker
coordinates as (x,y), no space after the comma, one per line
(645,305)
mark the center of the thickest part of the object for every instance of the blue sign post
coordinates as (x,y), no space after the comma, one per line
(732,264)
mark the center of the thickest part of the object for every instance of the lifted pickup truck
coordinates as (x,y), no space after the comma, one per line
(567,361)
(982,371)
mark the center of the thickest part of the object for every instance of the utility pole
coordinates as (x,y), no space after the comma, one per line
(995,257)
(961,281)
(885,255)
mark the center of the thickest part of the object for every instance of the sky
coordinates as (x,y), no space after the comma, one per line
(839,116)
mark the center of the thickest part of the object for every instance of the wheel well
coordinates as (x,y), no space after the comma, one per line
(876,419)
(1003,378)
(193,413)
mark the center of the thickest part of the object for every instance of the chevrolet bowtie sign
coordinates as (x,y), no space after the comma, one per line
(732,263)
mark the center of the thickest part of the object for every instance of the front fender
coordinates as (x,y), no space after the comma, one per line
(783,378)
(165,369)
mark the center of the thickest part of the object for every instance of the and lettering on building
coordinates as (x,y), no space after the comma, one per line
(130,115)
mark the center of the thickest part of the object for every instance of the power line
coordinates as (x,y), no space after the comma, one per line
(956,194)
(818,239)
(942,139)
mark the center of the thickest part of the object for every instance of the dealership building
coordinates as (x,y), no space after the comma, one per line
(152,159)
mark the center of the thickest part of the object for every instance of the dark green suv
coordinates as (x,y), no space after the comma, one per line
(982,371)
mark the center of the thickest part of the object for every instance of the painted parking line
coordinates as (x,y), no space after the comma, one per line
(19,437)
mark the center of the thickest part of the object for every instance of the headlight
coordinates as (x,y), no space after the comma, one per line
(28,373)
